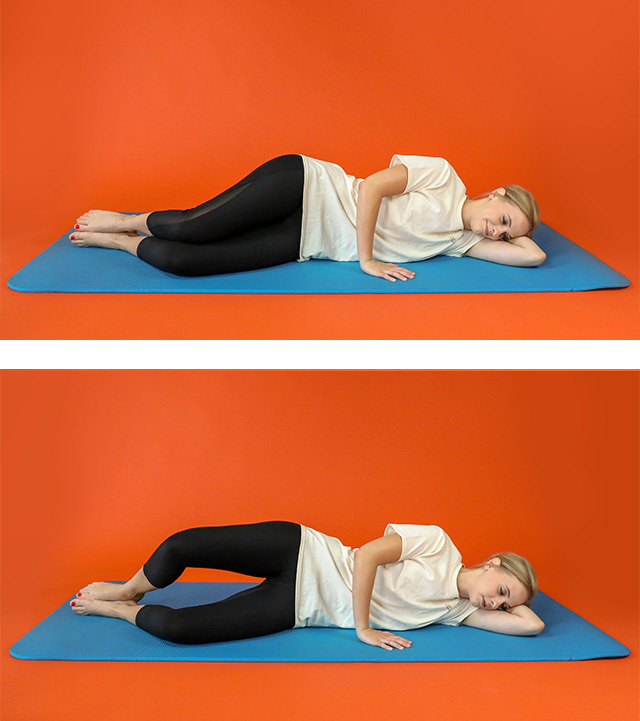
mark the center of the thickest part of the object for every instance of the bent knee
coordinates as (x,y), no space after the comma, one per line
(179,262)
(174,630)
(169,625)
(177,625)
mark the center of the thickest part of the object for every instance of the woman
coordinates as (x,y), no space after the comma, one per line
(295,208)
(411,577)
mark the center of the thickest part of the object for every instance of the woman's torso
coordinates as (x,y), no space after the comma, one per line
(418,590)
(424,221)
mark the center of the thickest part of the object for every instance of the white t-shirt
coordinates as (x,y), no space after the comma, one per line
(423,221)
(418,590)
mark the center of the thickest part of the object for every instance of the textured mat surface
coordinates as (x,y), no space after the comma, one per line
(64,268)
(66,636)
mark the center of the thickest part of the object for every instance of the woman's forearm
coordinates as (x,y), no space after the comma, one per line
(533,623)
(534,253)
(366,217)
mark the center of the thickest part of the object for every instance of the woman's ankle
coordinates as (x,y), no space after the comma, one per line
(139,223)
(137,586)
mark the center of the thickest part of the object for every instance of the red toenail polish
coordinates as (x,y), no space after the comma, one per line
(72,238)
(73,603)
(77,227)
(79,594)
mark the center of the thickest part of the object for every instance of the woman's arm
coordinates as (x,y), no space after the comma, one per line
(516,621)
(517,251)
(387,549)
(391,181)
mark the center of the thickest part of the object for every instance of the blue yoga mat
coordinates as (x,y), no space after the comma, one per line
(65,268)
(64,635)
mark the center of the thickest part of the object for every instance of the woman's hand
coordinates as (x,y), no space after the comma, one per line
(388,271)
(384,639)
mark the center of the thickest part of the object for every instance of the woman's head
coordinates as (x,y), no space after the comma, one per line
(525,202)
(513,577)
(503,213)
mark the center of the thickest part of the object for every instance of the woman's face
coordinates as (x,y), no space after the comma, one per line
(496,589)
(496,218)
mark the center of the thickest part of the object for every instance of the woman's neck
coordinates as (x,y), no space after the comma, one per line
(467,208)
(465,579)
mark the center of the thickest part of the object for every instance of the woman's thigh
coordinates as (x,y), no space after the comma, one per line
(268,195)
(254,249)
(262,610)
(265,550)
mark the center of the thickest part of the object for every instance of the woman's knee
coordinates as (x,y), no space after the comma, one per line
(167,559)
(180,261)
(178,543)
(165,623)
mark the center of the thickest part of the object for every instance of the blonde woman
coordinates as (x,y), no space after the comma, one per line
(411,577)
(295,208)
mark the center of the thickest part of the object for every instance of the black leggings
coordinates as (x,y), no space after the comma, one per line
(255,224)
(266,550)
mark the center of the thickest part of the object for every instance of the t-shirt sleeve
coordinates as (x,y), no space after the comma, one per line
(416,540)
(467,240)
(423,173)
(463,610)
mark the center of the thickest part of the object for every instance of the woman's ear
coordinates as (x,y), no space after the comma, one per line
(498,191)
(495,561)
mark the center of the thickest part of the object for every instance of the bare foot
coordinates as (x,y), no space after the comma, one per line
(126,610)
(120,241)
(102,591)
(103,221)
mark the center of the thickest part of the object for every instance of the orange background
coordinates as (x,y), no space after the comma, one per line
(147,105)
(98,467)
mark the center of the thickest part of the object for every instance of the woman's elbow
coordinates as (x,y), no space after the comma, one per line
(529,254)
(534,257)
(531,258)
(538,259)
(359,556)
(536,628)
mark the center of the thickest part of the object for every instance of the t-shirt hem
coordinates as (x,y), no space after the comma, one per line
(303,539)
(305,212)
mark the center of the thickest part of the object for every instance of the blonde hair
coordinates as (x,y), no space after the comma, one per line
(524,200)
(521,569)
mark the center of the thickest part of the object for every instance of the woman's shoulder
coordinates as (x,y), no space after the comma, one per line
(429,172)
(415,529)
(420,161)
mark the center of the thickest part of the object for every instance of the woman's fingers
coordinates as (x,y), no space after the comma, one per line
(395,271)
(383,639)
(388,271)
(392,641)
